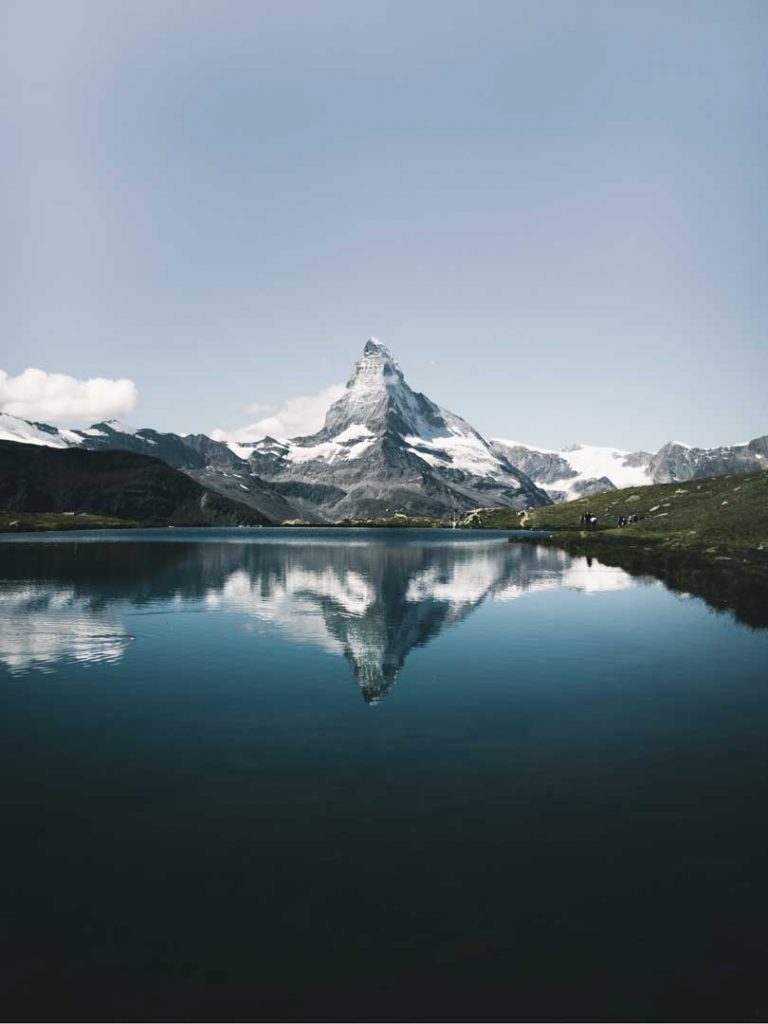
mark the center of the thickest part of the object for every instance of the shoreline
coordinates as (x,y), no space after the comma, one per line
(726,583)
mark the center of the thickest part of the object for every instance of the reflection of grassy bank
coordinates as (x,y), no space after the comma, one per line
(720,518)
(727,584)
(707,537)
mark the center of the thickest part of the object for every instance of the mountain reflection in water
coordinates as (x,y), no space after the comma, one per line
(559,809)
(371,599)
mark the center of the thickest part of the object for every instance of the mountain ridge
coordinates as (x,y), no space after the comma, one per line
(386,449)
(580,470)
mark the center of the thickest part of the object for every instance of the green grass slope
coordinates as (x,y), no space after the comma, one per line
(720,516)
(723,516)
(398,521)
(34,522)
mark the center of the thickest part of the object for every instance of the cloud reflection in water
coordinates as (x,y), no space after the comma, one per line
(370,602)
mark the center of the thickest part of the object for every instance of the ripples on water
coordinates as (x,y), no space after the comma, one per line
(44,624)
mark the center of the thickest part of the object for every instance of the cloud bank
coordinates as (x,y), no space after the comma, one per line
(65,401)
(304,414)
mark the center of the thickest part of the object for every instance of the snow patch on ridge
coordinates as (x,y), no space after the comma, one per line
(240,450)
(354,432)
(522,444)
(13,428)
(593,462)
(338,448)
(580,464)
(468,454)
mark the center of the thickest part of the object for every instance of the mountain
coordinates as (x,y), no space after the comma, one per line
(211,463)
(675,462)
(581,470)
(112,483)
(384,449)
(12,428)
(578,470)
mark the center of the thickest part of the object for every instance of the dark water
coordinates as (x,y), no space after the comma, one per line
(402,775)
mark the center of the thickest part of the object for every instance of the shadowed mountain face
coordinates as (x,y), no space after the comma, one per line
(371,600)
(113,483)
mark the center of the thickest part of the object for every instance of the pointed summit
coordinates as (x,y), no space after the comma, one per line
(377,397)
(376,368)
(376,352)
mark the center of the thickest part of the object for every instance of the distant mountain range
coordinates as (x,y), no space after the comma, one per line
(581,470)
(385,448)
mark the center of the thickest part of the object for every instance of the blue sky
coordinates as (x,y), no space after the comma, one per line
(553,213)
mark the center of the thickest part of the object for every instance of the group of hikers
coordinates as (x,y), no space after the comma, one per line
(589,520)
(626,520)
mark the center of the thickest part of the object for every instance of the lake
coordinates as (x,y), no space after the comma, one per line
(349,774)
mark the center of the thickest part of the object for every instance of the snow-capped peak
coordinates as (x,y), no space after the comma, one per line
(376,396)
(379,408)
(119,427)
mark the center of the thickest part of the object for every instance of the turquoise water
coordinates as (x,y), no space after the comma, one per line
(374,775)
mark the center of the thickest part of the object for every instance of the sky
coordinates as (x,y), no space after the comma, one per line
(555,214)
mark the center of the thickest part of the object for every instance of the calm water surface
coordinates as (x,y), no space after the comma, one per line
(371,775)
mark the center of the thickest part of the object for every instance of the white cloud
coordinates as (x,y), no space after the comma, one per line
(64,401)
(297,416)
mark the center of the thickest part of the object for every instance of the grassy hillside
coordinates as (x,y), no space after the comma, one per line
(720,516)
(113,485)
(398,521)
(33,522)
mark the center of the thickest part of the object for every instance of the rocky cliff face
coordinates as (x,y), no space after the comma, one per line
(676,461)
(545,467)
